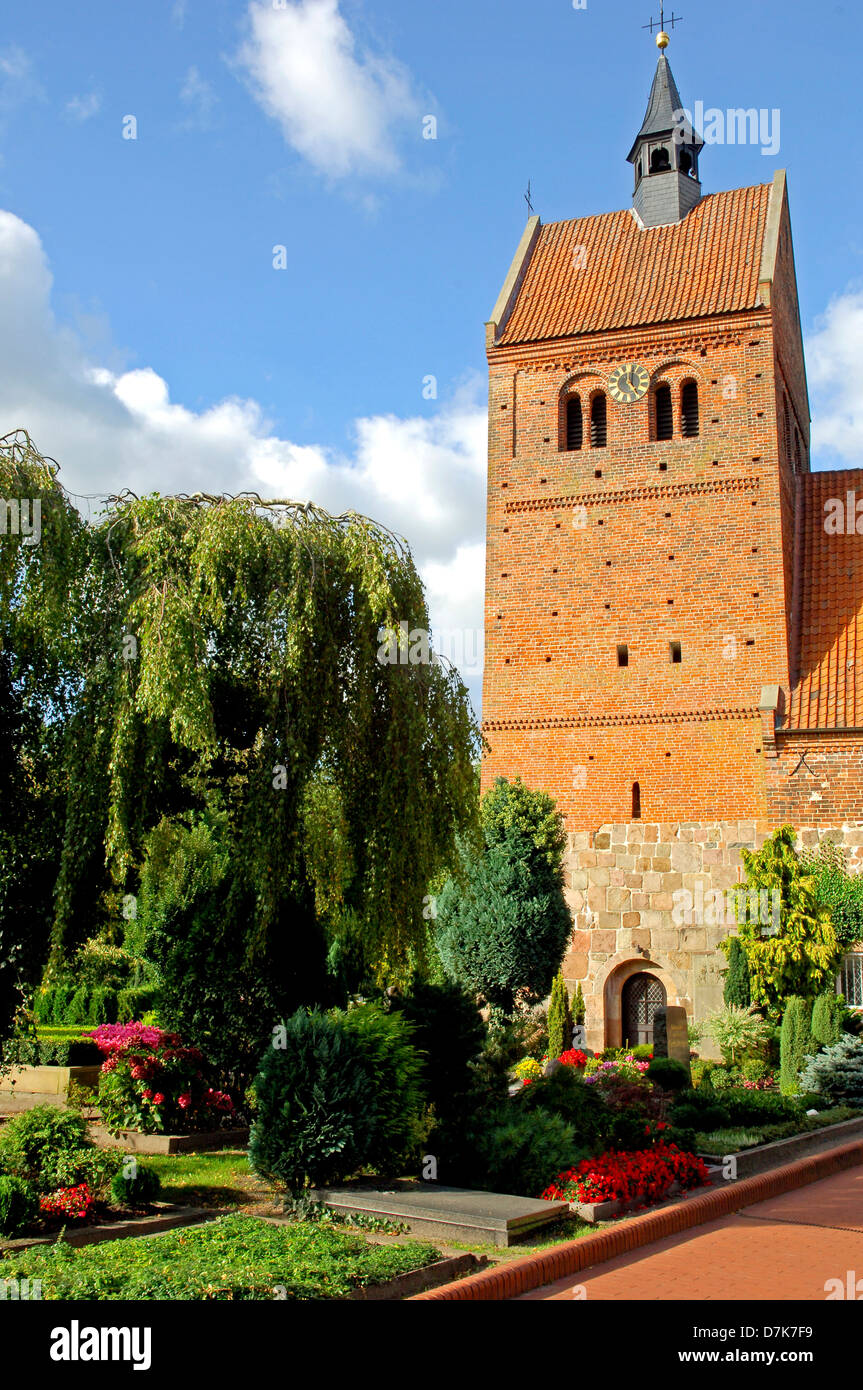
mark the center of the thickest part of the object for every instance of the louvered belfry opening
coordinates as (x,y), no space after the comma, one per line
(598,424)
(689,409)
(574,423)
(664,413)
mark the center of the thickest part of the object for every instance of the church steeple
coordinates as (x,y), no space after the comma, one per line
(665,153)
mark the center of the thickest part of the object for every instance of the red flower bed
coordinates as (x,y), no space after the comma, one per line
(74,1203)
(613,1176)
(573,1058)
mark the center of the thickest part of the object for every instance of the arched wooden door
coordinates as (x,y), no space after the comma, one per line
(642,995)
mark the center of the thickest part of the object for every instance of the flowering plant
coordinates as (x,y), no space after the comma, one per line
(153,1083)
(764,1083)
(647,1173)
(623,1068)
(573,1058)
(75,1203)
(528,1069)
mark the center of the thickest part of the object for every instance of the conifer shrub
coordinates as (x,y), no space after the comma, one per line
(736,990)
(19,1205)
(795,1043)
(136,1189)
(836,1074)
(669,1074)
(559,1018)
(337,1093)
(828,1014)
(578,1008)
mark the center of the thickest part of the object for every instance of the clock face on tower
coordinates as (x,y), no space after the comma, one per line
(628,383)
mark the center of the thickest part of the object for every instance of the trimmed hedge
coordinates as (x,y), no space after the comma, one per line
(50,1052)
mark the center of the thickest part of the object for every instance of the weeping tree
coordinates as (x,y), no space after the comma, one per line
(243,713)
(42,544)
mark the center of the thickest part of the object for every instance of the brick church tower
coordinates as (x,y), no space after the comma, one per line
(647,565)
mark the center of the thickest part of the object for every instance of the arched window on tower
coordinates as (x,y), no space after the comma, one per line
(636,801)
(689,423)
(659,160)
(598,422)
(685,164)
(574,423)
(664,412)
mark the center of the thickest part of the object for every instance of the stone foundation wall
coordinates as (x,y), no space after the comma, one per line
(620,882)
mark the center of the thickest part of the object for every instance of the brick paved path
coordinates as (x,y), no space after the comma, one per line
(786,1248)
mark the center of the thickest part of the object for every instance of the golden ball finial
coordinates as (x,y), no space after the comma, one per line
(662,40)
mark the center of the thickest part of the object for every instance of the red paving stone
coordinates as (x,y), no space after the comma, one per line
(785,1249)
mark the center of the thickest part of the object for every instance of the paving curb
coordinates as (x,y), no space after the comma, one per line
(509,1280)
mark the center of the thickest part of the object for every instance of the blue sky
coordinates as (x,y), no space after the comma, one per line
(150,342)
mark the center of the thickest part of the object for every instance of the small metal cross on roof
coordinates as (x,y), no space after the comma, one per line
(660,23)
(527,199)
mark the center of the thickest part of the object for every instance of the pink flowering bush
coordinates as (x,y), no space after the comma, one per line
(153,1083)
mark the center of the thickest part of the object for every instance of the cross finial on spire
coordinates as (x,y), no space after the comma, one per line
(527,200)
(662,39)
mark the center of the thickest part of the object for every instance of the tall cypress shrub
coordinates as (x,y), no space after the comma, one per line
(795,1043)
(828,1012)
(559,1018)
(737,989)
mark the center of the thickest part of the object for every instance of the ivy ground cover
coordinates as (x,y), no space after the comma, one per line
(232,1258)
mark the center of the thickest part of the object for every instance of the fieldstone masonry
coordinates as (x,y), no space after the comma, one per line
(620,882)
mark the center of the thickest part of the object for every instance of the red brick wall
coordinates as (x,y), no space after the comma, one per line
(825,790)
(561,597)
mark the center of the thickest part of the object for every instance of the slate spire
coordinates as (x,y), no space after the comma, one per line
(665,155)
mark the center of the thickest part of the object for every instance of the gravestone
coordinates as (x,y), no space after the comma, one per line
(670,1034)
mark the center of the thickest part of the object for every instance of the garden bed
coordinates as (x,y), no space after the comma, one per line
(230,1258)
(133,1141)
(762,1157)
(164,1217)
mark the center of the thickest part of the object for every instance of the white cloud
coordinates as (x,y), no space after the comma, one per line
(833,355)
(82,108)
(199,97)
(422,476)
(339,107)
(14,63)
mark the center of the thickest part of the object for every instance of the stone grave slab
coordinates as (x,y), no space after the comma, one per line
(670,1034)
(448,1213)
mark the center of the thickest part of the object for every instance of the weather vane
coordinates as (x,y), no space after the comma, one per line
(662,36)
(527,199)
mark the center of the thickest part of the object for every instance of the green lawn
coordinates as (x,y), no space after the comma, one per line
(235,1257)
(209,1179)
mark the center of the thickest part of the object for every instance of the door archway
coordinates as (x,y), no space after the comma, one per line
(641,996)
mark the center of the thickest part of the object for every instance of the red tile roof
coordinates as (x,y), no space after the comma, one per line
(829,691)
(706,264)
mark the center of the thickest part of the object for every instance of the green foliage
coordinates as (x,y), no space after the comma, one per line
(19,1206)
(838,890)
(708,1117)
(135,1189)
(738,1031)
(232,1258)
(796,1043)
(521,1147)
(559,1018)
(68,1167)
(30,1141)
(448,1033)
(565,1094)
(578,1009)
(503,923)
(50,1052)
(754,1069)
(337,1093)
(828,1015)
(736,989)
(837,1073)
(802,957)
(668,1074)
